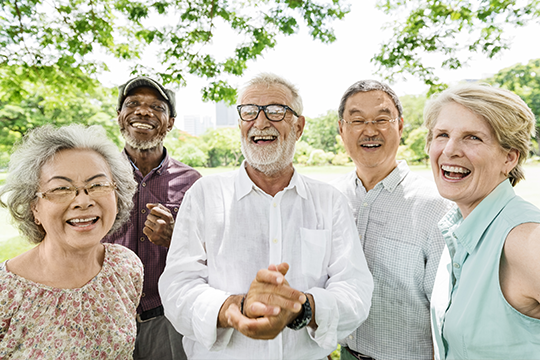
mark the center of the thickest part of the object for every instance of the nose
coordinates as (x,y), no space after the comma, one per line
(451,148)
(370,129)
(82,199)
(144,111)
(261,121)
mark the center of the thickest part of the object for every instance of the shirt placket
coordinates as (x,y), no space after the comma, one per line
(275,244)
(364,207)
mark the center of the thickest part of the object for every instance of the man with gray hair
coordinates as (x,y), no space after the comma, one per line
(264,262)
(396,213)
(146,112)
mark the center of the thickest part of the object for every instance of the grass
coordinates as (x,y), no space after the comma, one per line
(14,246)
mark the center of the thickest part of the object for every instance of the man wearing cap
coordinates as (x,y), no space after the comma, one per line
(146,112)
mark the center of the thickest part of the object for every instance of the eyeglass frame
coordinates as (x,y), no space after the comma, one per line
(43,194)
(366,123)
(263,108)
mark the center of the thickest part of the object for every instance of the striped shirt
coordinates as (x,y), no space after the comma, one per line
(166,184)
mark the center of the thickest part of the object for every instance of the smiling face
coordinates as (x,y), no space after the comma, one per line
(269,146)
(466,158)
(372,150)
(82,222)
(144,118)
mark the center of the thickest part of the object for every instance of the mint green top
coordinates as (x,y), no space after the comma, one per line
(475,321)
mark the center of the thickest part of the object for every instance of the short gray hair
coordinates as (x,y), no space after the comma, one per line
(506,113)
(365,86)
(269,79)
(42,144)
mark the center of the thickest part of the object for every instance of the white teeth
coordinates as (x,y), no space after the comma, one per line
(370,145)
(82,220)
(144,126)
(455,169)
(267,137)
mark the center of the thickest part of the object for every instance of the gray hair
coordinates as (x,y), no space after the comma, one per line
(506,113)
(269,79)
(365,86)
(42,144)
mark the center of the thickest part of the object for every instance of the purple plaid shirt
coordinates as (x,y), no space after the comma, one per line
(166,185)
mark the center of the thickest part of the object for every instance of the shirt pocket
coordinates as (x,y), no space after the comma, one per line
(314,249)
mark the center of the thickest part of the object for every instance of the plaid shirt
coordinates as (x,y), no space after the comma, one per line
(166,185)
(397,225)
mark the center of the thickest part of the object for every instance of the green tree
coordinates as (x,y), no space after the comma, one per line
(451,28)
(222,146)
(321,132)
(58,42)
(49,105)
(524,80)
(413,113)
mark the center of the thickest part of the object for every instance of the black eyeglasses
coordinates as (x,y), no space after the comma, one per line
(273,112)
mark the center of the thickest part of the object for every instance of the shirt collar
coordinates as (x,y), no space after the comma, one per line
(244,185)
(164,163)
(392,180)
(469,233)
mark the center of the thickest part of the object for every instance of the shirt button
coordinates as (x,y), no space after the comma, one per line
(142,238)
(456,265)
(143,211)
(351,337)
(143,295)
(144,184)
(365,204)
(275,205)
(274,241)
(175,209)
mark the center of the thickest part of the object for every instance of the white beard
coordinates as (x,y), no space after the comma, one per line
(140,144)
(272,158)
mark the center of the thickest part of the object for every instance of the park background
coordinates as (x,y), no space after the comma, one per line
(61,61)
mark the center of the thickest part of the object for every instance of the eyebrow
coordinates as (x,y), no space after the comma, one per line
(361,112)
(71,181)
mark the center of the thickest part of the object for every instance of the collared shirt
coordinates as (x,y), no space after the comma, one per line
(166,184)
(471,317)
(229,230)
(397,225)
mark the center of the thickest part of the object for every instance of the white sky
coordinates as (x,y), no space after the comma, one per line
(324,71)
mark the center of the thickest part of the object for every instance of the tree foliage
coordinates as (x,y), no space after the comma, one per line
(451,28)
(524,80)
(321,132)
(51,105)
(413,113)
(61,40)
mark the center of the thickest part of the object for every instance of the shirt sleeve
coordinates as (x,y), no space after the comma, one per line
(190,304)
(344,302)
(433,256)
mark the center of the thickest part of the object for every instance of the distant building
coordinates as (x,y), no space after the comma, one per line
(194,125)
(226,115)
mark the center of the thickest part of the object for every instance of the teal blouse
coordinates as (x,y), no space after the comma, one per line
(471,318)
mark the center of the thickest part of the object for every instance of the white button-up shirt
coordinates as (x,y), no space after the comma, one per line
(228,229)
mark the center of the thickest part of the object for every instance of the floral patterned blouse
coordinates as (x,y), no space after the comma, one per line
(96,321)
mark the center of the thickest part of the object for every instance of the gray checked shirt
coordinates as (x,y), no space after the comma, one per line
(397,226)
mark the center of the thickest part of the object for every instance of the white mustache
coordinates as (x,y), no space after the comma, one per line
(257,132)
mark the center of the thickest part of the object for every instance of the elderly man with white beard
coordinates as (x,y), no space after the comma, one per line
(265,263)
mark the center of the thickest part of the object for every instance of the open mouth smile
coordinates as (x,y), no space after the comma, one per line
(454,172)
(83,222)
(263,139)
(142,125)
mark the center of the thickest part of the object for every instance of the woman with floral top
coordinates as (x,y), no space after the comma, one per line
(70,297)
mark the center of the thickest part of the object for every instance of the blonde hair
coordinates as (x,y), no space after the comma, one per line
(510,118)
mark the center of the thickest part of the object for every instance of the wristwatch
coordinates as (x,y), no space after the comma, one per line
(303,318)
